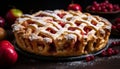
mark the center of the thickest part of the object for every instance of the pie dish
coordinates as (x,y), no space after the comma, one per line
(61,33)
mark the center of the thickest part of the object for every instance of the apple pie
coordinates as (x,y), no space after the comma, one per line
(61,33)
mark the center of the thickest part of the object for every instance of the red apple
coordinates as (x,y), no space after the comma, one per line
(117,20)
(12,14)
(2,22)
(75,7)
(8,56)
(6,43)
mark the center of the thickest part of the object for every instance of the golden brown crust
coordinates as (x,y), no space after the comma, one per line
(61,33)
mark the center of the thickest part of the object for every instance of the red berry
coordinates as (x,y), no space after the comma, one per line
(95,2)
(104,10)
(99,9)
(110,6)
(92,57)
(110,51)
(117,20)
(113,27)
(106,2)
(116,52)
(116,7)
(102,4)
(103,7)
(92,8)
(88,58)
(96,6)
(113,43)
(104,53)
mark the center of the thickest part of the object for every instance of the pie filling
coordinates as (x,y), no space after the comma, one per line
(61,33)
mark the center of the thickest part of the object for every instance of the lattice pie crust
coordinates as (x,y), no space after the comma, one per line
(61,33)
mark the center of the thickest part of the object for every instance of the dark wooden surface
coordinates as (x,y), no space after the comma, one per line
(111,62)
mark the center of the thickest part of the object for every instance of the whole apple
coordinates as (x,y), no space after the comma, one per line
(7,44)
(12,14)
(2,33)
(8,56)
(75,7)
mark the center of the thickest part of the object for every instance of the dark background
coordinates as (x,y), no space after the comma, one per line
(30,6)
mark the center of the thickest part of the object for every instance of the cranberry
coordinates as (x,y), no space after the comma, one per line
(102,4)
(104,10)
(117,20)
(117,43)
(88,58)
(104,53)
(96,6)
(105,6)
(113,27)
(110,51)
(113,44)
(92,57)
(116,51)
(106,2)
(99,9)
(110,6)
(92,8)
(95,2)
(116,7)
